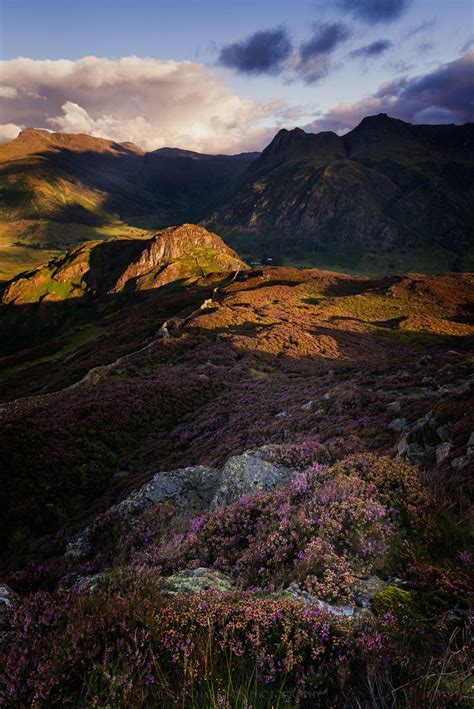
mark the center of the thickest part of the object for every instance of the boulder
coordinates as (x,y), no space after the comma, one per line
(85,584)
(424,360)
(442,452)
(366,590)
(197,580)
(80,547)
(192,488)
(398,425)
(195,490)
(7,597)
(343,610)
(412,452)
(248,473)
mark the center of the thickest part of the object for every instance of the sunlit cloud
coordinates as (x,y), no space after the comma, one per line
(149,102)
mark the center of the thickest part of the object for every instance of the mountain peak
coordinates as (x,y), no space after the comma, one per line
(32,140)
(296,144)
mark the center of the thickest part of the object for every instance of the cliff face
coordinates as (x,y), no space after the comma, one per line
(386,183)
(101,268)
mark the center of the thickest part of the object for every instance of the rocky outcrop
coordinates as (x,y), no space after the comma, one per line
(103,268)
(353,612)
(195,490)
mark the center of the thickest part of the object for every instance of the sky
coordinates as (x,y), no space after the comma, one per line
(222,76)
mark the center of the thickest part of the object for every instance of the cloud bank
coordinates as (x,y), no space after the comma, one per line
(183,104)
(442,96)
(149,102)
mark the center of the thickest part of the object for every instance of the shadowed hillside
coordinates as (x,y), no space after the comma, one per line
(59,189)
(387,196)
(102,275)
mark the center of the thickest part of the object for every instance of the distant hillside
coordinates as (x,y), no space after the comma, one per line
(93,275)
(59,189)
(386,196)
(99,268)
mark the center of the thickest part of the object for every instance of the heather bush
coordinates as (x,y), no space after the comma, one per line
(132,645)
(399,487)
(129,644)
(322,529)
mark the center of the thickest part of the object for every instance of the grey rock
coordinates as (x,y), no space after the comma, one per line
(195,489)
(80,547)
(191,487)
(427,420)
(247,473)
(88,584)
(7,597)
(443,433)
(343,610)
(309,406)
(398,425)
(282,415)
(367,588)
(428,380)
(197,580)
(415,452)
(442,452)
(461,462)
(412,452)
(470,442)
(424,360)
(394,408)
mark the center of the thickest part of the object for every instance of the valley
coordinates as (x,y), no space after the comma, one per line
(387,197)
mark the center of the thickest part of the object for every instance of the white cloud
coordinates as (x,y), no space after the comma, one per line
(152,103)
(8,92)
(9,131)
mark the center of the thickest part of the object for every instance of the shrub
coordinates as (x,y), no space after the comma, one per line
(321,528)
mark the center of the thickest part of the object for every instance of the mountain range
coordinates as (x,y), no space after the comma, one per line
(58,190)
(386,197)
(399,194)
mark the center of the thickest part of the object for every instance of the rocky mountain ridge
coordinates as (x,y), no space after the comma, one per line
(101,268)
(386,188)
